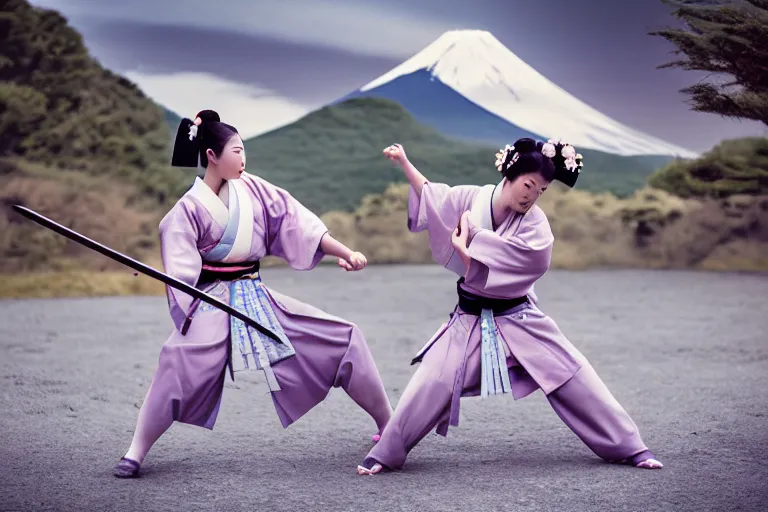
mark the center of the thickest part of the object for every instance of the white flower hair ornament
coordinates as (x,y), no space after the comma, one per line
(548,149)
(502,155)
(573,160)
(193,128)
(568,162)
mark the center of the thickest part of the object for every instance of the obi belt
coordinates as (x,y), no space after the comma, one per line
(251,350)
(494,377)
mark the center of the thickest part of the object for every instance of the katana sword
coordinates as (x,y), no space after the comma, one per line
(144,269)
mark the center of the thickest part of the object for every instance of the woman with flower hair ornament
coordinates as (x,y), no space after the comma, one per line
(213,238)
(497,341)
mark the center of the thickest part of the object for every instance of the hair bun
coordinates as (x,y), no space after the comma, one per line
(525,145)
(209,116)
(568,163)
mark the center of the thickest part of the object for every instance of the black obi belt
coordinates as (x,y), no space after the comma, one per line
(213,271)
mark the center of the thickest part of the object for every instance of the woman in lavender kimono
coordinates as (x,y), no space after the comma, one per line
(213,238)
(497,340)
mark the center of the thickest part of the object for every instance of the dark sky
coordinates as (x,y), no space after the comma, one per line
(266,62)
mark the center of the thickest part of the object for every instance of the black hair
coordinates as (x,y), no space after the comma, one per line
(527,157)
(192,141)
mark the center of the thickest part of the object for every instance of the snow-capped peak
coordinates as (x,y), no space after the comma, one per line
(476,65)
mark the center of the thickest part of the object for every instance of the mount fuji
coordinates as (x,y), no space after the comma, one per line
(468,85)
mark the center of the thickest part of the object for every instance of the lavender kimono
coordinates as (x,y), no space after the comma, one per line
(248,220)
(515,351)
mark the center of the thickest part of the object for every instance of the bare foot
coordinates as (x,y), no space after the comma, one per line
(650,464)
(369,467)
(362,470)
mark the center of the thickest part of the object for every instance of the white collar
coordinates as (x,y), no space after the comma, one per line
(213,203)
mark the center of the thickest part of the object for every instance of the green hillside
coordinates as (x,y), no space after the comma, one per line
(79,144)
(733,167)
(332,157)
(173,121)
(60,109)
(171,118)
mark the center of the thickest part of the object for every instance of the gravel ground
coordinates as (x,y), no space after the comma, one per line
(685,353)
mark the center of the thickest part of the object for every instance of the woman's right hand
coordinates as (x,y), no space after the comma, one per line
(355,261)
(396,153)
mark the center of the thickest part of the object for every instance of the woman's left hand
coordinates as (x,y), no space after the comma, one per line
(355,261)
(461,233)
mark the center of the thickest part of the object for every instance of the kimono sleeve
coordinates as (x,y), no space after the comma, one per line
(181,258)
(293,231)
(508,266)
(439,207)
(438,210)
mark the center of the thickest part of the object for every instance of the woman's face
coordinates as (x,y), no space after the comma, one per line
(231,163)
(521,194)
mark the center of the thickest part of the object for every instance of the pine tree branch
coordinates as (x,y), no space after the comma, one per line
(747,105)
(727,39)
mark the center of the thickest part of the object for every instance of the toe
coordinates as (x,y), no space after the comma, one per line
(650,464)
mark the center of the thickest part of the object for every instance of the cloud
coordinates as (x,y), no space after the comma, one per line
(252,110)
(284,67)
(355,26)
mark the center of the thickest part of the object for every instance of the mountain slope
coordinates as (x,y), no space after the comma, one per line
(60,108)
(172,118)
(331,158)
(467,84)
(79,144)
(436,105)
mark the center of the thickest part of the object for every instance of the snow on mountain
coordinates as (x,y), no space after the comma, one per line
(499,96)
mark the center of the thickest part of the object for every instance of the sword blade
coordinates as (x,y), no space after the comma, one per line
(141,267)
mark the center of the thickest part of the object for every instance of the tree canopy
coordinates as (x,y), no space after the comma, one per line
(61,109)
(728,40)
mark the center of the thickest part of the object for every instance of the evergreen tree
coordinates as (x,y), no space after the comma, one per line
(728,40)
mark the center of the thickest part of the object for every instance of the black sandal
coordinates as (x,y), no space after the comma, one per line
(127,468)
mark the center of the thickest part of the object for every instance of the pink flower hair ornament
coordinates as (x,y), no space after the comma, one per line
(568,162)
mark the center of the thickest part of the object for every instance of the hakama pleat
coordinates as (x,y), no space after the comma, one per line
(585,404)
(330,352)
(189,380)
(578,396)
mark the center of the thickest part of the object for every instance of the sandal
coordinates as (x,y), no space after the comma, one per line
(127,468)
